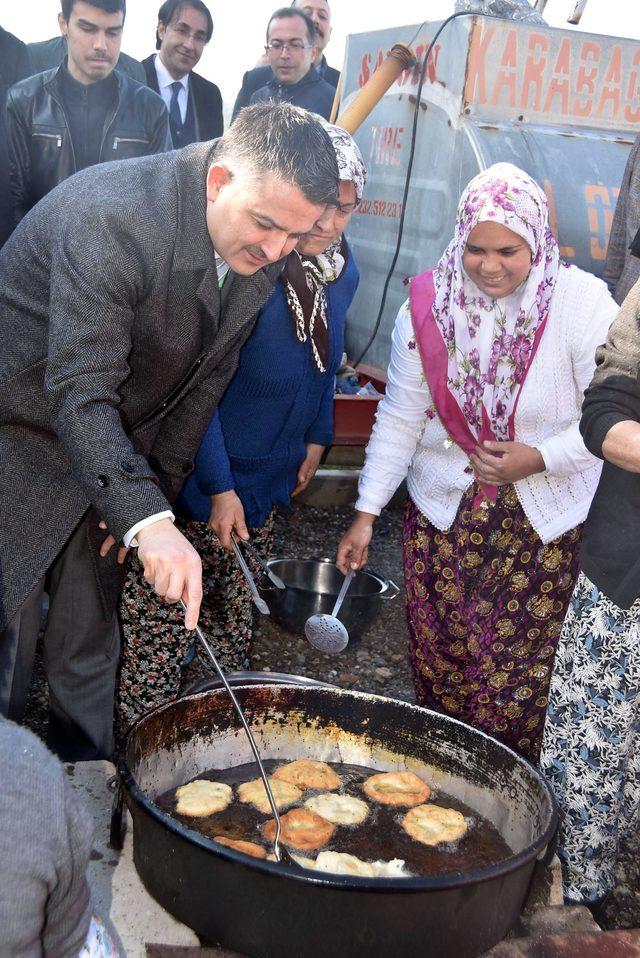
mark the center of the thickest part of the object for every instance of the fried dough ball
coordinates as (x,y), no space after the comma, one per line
(308,773)
(249,848)
(432,824)
(301,829)
(396,788)
(254,793)
(340,863)
(202,797)
(339,809)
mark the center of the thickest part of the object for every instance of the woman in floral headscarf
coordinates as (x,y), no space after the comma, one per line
(490,357)
(262,446)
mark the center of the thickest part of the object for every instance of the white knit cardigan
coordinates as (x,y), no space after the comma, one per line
(405,442)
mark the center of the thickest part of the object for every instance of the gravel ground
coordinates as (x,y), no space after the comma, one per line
(376,663)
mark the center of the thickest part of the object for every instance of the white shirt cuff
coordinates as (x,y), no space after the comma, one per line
(130,537)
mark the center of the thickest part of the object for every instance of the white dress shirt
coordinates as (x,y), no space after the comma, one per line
(166,91)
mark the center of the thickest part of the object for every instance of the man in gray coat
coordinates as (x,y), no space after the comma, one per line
(125,296)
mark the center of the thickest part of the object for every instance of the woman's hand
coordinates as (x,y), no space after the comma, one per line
(353,550)
(308,466)
(227,516)
(498,463)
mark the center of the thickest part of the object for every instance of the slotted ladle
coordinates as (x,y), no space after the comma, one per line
(326,632)
(280,852)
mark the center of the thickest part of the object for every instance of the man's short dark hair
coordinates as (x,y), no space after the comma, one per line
(284,141)
(109,6)
(171,8)
(287,13)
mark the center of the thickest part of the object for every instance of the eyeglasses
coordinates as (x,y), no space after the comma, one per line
(345,209)
(186,34)
(296,46)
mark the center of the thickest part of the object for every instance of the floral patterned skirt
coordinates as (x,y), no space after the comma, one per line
(591,747)
(486,600)
(154,640)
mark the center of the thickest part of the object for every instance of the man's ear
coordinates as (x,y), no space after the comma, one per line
(218,177)
(62,23)
(161,30)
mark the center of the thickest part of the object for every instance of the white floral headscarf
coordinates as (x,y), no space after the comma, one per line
(350,163)
(490,341)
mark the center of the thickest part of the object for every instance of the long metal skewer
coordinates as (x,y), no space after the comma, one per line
(282,855)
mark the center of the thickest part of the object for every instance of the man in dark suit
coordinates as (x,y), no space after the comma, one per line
(14,66)
(125,296)
(320,14)
(194,104)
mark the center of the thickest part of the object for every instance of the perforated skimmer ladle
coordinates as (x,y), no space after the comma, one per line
(280,852)
(326,632)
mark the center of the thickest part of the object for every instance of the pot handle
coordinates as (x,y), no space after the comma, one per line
(390,584)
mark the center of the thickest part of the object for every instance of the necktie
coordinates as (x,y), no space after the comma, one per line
(174,108)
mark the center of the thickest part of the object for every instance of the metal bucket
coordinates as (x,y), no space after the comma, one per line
(312,585)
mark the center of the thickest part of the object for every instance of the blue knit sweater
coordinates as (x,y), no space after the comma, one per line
(276,402)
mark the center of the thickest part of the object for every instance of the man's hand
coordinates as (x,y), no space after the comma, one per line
(172,566)
(227,516)
(108,544)
(498,463)
(353,550)
(308,466)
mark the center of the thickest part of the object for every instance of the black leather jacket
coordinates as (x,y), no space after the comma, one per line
(41,153)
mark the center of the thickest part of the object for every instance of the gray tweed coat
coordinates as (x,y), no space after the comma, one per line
(116,347)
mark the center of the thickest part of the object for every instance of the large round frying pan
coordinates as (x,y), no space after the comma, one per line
(261,908)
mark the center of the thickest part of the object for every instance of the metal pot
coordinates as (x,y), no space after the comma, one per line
(264,909)
(312,585)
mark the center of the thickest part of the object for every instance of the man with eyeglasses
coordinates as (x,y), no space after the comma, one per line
(320,13)
(194,104)
(291,46)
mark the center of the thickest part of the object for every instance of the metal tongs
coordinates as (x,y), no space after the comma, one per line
(264,565)
(260,604)
(280,852)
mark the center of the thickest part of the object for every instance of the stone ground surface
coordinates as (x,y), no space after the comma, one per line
(376,663)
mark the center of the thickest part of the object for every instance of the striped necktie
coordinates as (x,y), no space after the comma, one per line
(174,106)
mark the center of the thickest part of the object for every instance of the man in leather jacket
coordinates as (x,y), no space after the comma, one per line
(82,113)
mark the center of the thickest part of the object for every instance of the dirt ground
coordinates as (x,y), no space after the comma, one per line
(375,663)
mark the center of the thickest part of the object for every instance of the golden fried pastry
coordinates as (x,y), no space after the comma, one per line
(301,829)
(432,824)
(396,788)
(202,797)
(307,773)
(249,848)
(254,793)
(340,863)
(339,809)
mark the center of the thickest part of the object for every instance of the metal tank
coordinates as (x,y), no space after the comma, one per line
(562,105)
